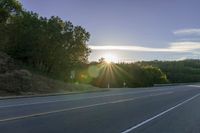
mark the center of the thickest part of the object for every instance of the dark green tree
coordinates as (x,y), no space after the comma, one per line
(52,46)
(9,8)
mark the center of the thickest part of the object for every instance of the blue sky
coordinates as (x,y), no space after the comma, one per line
(131,30)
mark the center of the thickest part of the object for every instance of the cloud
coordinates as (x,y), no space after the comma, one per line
(184,46)
(173,47)
(125,48)
(182,58)
(192,31)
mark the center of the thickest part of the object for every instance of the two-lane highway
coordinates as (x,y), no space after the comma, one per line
(170,109)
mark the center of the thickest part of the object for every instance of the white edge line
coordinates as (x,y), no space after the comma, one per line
(160,114)
(67,100)
(80,107)
(194,85)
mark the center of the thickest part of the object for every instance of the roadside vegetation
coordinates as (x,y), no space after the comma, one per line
(139,74)
(103,74)
(52,46)
(43,55)
(178,71)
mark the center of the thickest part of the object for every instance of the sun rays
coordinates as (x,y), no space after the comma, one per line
(110,73)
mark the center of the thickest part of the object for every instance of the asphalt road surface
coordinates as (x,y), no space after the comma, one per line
(169,109)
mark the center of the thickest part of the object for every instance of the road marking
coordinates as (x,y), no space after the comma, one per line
(194,85)
(81,107)
(67,100)
(160,114)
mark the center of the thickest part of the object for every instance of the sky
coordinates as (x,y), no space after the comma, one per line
(131,30)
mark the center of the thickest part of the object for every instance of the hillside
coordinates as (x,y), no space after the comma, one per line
(17,81)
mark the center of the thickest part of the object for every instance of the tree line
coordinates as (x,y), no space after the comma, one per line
(102,74)
(139,74)
(50,45)
(178,71)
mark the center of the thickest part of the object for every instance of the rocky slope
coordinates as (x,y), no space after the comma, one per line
(12,78)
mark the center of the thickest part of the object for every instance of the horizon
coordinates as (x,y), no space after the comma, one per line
(133,30)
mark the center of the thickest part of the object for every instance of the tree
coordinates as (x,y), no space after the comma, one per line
(52,46)
(101,60)
(9,8)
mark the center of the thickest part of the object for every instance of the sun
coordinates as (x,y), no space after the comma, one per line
(108,62)
(109,58)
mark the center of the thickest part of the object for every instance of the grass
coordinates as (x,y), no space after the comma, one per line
(45,85)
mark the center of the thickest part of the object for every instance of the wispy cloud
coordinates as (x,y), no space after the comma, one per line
(173,47)
(185,46)
(192,31)
(125,48)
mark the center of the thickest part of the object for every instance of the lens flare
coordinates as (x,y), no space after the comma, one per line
(109,58)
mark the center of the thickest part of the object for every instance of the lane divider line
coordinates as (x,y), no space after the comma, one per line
(160,114)
(81,107)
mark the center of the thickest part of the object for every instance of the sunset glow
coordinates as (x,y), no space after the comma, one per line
(109,58)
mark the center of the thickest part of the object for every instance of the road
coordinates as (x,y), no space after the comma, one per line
(169,109)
